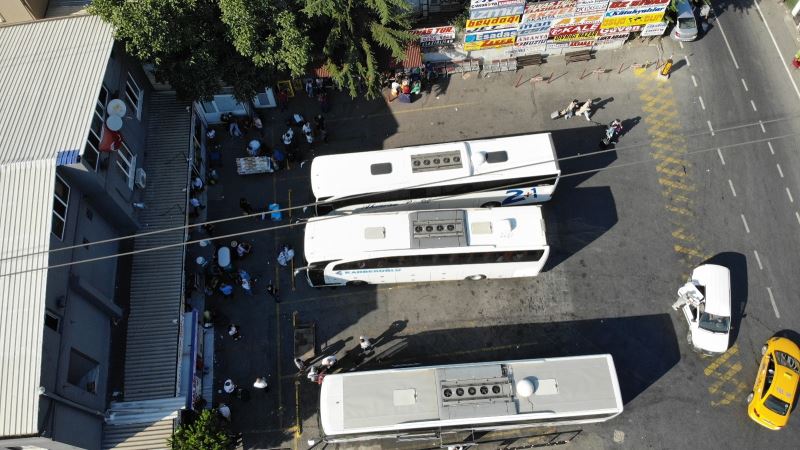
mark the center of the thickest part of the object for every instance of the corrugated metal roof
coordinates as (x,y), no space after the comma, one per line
(156,302)
(149,436)
(50,76)
(26,203)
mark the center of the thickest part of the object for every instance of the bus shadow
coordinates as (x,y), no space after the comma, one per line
(578,217)
(577,154)
(644,348)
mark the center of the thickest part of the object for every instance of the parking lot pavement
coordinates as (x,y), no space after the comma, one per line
(607,287)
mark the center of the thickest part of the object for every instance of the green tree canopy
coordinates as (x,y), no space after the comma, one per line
(206,432)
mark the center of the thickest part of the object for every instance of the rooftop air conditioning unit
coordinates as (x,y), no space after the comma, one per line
(141,178)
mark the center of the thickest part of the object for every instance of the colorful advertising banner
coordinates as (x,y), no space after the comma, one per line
(495,23)
(591,6)
(435,36)
(487,35)
(534,27)
(488,13)
(654,29)
(625,4)
(531,40)
(616,22)
(491,43)
(612,38)
(576,36)
(574,29)
(577,20)
(636,11)
(619,30)
(552,10)
(481,4)
(572,44)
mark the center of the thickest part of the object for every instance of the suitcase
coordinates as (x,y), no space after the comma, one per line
(555,114)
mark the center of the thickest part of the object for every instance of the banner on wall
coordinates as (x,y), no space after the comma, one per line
(619,30)
(487,35)
(591,6)
(531,40)
(654,29)
(435,36)
(488,13)
(491,43)
(482,4)
(578,20)
(534,27)
(552,10)
(636,11)
(624,21)
(625,4)
(572,44)
(574,29)
(575,37)
(495,23)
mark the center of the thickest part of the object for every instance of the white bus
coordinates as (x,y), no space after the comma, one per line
(476,397)
(513,170)
(421,246)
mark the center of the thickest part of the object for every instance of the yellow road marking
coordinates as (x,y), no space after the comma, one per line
(676,184)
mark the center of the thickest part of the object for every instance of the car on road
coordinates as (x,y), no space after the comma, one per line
(775,388)
(686,24)
(706,304)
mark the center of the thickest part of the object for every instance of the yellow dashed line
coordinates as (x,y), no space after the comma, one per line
(681,236)
(676,185)
(693,252)
(679,210)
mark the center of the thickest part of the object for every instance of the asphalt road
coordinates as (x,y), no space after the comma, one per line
(626,227)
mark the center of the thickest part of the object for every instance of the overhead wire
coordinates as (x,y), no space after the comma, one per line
(332,217)
(314,204)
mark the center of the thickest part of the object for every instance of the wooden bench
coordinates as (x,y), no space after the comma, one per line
(530,60)
(580,55)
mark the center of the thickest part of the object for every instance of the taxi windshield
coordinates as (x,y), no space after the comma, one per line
(777,405)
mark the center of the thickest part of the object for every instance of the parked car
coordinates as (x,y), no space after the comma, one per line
(686,24)
(775,388)
(706,304)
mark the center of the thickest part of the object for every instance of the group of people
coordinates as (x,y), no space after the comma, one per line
(316,373)
(310,131)
(238,126)
(576,108)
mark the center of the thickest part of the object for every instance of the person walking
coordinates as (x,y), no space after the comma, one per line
(569,111)
(229,387)
(245,206)
(319,122)
(245,282)
(286,255)
(226,290)
(586,109)
(225,411)
(273,291)
(261,383)
(365,343)
(301,365)
(328,361)
(233,332)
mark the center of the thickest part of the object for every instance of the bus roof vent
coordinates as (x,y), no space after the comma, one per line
(428,162)
(436,229)
(481,227)
(375,233)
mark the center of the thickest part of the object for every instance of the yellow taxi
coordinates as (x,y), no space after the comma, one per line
(770,402)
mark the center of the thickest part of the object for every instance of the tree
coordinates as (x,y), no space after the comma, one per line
(206,432)
(197,46)
(359,37)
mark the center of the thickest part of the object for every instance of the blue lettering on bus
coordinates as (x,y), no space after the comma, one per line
(355,272)
(518,195)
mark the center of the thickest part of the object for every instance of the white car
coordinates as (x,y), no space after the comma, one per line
(706,303)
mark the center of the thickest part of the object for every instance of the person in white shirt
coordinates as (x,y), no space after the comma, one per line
(261,383)
(328,361)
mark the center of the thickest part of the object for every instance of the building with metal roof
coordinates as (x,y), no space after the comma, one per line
(75,118)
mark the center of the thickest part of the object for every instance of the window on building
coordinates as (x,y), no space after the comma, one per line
(60,203)
(83,371)
(91,153)
(52,321)
(134,96)
(126,163)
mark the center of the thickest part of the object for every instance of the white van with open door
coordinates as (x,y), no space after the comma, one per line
(706,304)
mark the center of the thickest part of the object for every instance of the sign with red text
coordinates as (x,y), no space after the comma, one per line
(435,36)
(574,29)
(552,10)
(577,20)
(489,43)
(627,4)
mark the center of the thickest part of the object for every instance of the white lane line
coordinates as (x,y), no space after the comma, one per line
(761,124)
(789,193)
(744,221)
(730,183)
(686,58)
(777,49)
(710,127)
(797,215)
(752,103)
(758,260)
(736,64)
(719,152)
(702,105)
(769,144)
(779,170)
(745,85)
(772,298)
(694,81)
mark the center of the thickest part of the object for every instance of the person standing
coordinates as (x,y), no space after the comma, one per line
(233,331)
(313,374)
(245,282)
(586,109)
(569,112)
(283,99)
(245,206)
(226,290)
(301,365)
(328,361)
(261,383)
(365,343)
(319,122)
(229,387)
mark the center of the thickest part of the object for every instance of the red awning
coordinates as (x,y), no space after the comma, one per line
(413,56)
(321,72)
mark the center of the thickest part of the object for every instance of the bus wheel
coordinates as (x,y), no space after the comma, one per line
(476,277)
(356,283)
(491,205)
